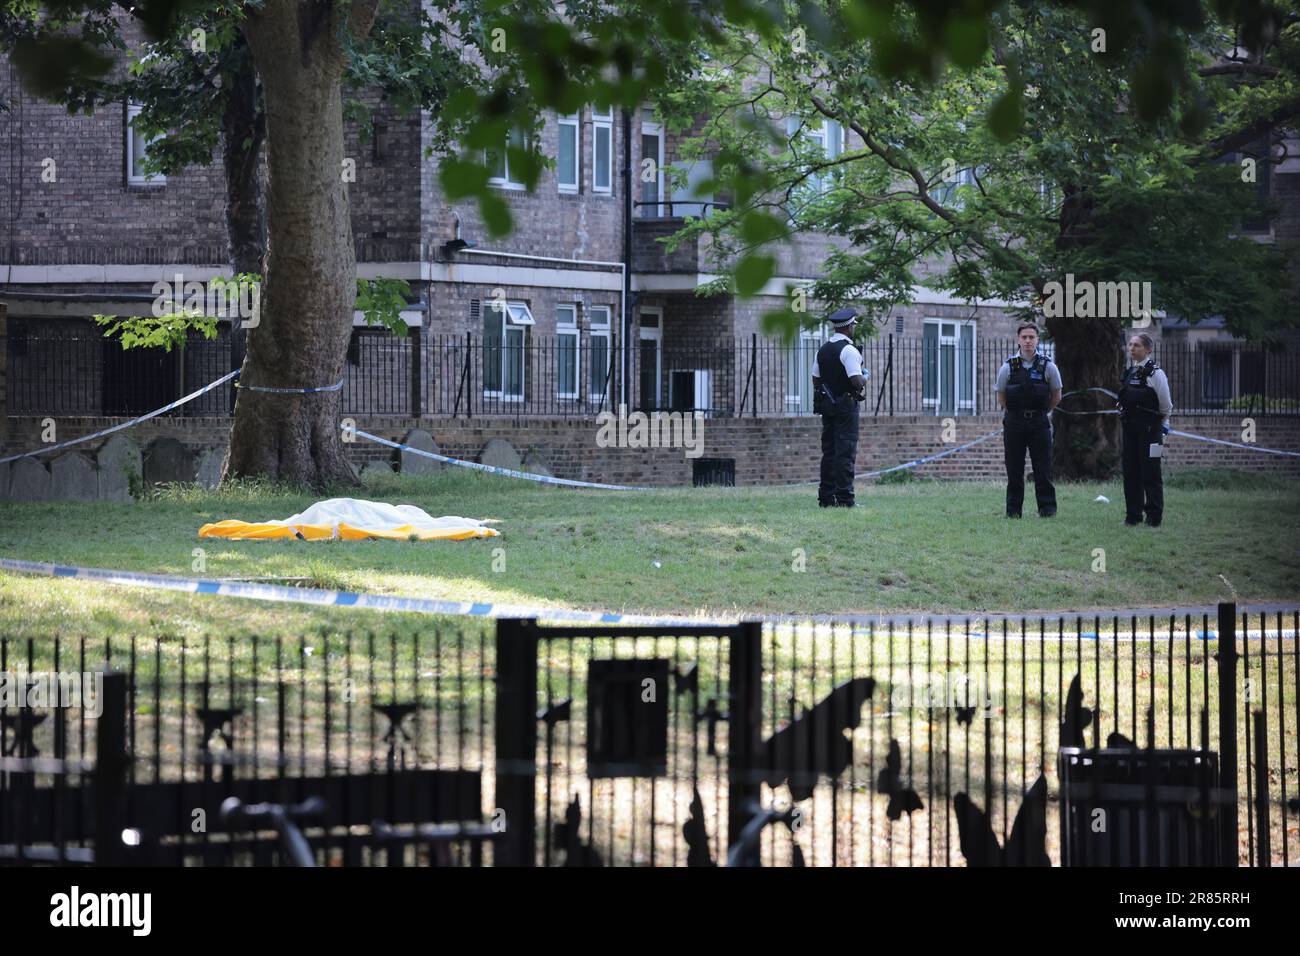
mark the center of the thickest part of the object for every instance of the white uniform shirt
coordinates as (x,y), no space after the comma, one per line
(1160,382)
(850,357)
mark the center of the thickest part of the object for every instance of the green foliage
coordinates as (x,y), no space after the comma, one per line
(904,477)
(1059,177)
(1228,479)
(1257,401)
(381,302)
(1011,87)
(163,331)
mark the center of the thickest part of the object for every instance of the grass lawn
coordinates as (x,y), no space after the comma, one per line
(910,546)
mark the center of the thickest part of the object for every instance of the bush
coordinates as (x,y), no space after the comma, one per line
(1228,479)
(1247,402)
(905,476)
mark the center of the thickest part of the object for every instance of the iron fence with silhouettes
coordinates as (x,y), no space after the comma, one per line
(576,373)
(946,741)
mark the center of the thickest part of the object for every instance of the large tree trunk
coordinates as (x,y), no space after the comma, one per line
(309,285)
(1084,446)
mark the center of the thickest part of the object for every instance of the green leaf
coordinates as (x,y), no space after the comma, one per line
(752,272)
(966,40)
(496,215)
(1007,116)
(757,228)
(462,177)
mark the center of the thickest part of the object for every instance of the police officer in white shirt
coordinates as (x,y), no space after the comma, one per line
(1144,404)
(839,384)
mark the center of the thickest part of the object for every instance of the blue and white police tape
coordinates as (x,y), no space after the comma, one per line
(379,602)
(275,390)
(1235,444)
(930,458)
(490,469)
(135,421)
(1080,391)
(917,461)
(1174,431)
(324,598)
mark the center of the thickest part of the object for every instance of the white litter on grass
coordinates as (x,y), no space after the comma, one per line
(656,564)
(1103,499)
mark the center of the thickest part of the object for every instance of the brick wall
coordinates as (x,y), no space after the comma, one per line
(766,451)
(547,222)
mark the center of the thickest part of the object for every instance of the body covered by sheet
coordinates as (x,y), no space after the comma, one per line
(352,519)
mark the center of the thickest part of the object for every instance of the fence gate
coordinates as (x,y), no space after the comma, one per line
(625,745)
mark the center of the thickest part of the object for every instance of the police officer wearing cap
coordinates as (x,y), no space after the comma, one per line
(1029,388)
(839,384)
(1144,404)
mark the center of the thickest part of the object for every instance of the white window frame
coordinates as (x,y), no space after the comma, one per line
(960,406)
(515,320)
(819,135)
(654,333)
(566,331)
(946,193)
(599,323)
(651,128)
(798,400)
(602,127)
(570,122)
(505,182)
(133,177)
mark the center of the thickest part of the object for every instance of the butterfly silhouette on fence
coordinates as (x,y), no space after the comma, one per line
(1026,846)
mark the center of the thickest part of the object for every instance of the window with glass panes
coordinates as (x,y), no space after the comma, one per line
(566,350)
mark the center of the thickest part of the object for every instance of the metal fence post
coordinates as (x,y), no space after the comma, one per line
(1227,674)
(1264,854)
(753,369)
(110,771)
(516,740)
(744,727)
(417,373)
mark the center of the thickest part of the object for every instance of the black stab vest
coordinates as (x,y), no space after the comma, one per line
(1137,399)
(832,369)
(1027,388)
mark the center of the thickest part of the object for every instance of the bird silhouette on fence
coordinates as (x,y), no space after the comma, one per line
(1077,717)
(569,835)
(697,835)
(814,743)
(902,799)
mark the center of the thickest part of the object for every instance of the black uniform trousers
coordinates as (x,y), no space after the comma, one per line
(1035,435)
(1144,487)
(839,452)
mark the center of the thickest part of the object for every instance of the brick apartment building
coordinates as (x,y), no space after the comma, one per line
(590,294)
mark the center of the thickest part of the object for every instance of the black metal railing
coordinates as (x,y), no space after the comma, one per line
(889,742)
(578,374)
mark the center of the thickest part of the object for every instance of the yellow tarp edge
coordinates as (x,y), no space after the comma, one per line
(256,531)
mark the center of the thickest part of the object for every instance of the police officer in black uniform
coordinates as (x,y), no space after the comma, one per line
(839,384)
(1144,404)
(1028,387)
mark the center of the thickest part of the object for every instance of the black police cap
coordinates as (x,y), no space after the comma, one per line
(843,317)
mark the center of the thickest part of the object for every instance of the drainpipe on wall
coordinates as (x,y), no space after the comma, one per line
(627,256)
